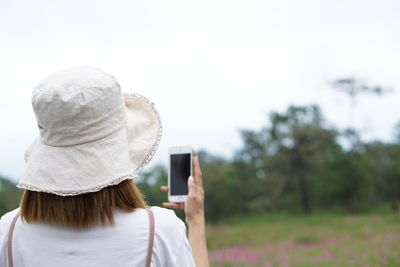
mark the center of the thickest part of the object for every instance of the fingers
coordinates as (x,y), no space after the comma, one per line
(198,176)
(164,189)
(174,205)
(192,186)
(169,204)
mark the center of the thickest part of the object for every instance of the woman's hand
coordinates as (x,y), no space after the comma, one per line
(194,205)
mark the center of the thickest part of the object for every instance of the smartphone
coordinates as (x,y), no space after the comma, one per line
(180,168)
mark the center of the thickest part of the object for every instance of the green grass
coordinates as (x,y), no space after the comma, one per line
(321,239)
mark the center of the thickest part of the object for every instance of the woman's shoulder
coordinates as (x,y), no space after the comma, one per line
(6,219)
(166,220)
(169,227)
(167,215)
(5,224)
(171,244)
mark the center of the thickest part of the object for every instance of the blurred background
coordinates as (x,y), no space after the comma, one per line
(292,106)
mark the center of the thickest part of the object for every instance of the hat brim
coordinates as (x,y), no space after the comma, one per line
(89,167)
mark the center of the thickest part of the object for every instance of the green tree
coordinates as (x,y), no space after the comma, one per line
(283,156)
(10,196)
(353,87)
(347,182)
(385,168)
(150,182)
(305,143)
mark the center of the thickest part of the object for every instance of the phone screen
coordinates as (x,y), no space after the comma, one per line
(180,172)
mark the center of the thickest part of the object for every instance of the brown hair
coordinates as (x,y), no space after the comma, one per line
(81,211)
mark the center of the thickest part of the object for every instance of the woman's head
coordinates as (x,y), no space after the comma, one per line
(91,135)
(81,211)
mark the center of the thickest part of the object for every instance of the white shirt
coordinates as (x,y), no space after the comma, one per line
(120,245)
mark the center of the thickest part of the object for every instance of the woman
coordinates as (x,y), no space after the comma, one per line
(80,206)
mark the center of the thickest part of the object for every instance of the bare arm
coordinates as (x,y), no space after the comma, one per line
(195,219)
(197,240)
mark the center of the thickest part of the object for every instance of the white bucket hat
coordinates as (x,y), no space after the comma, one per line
(91,135)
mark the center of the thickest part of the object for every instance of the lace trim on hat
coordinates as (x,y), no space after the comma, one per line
(78,192)
(152,151)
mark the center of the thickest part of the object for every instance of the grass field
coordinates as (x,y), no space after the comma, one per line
(321,239)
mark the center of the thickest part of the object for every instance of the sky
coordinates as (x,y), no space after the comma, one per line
(211,67)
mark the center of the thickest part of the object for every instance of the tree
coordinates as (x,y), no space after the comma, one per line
(282,157)
(347,182)
(353,87)
(302,137)
(10,196)
(385,168)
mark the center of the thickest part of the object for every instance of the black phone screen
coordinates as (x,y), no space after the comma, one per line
(180,172)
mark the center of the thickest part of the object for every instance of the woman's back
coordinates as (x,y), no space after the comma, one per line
(37,244)
(80,206)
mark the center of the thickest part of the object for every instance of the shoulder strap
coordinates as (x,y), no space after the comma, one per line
(9,241)
(151,237)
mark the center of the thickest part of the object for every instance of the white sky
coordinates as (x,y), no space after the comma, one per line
(211,67)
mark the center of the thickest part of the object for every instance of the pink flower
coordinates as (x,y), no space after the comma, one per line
(235,254)
(384,261)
